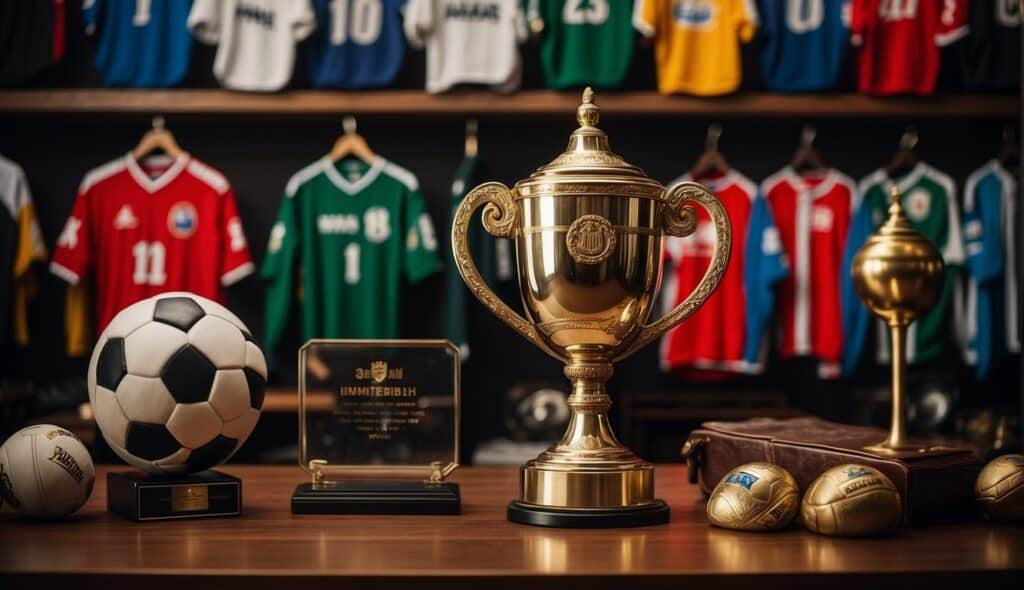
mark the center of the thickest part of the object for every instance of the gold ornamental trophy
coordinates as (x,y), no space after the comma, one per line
(588,229)
(898,273)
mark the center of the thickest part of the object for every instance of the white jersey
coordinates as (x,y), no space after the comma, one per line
(468,41)
(255,38)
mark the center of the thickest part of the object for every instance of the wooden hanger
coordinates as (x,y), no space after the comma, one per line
(472,142)
(1009,152)
(157,138)
(807,159)
(905,157)
(712,161)
(351,144)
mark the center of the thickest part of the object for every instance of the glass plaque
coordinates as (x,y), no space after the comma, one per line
(380,409)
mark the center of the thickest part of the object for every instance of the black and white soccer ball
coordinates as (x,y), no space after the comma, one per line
(176,383)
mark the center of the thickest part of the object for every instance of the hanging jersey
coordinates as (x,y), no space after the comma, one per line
(255,39)
(584,42)
(354,231)
(31,38)
(21,245)
(468,41)
(813,216)
(805,43)
(732,323)
(929,200)
(140,43)
(697,42)
(899,42)
(991,52)
(357,43)
(493,257)
(992,313)
(162,225)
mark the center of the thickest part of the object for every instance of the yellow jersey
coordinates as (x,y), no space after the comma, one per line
(697,42)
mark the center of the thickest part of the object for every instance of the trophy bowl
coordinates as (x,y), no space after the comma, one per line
(589,231)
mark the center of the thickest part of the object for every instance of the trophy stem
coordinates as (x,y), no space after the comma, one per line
(898,441)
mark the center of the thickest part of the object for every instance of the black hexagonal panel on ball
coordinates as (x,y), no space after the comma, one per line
(110,366)
(150,441)
(189,375)
(180,312)
(212,453)
(257,387)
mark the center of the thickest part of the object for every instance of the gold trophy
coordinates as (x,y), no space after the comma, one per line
(588,229)
(898,273)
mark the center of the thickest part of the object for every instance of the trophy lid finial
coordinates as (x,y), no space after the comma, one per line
(587,115)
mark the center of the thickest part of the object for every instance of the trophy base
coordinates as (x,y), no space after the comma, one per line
(140,496)
(596,518)
(910,449)
(377,497)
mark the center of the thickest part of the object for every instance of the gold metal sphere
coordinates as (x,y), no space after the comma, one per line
(852,501)
(754,497)
(1000,488)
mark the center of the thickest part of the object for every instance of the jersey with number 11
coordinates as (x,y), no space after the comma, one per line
(357,43)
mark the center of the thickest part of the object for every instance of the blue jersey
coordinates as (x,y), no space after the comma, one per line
(357,43)
(805,43)
(140,43)
(991,328)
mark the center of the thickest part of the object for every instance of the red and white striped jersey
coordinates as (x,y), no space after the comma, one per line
(813,215)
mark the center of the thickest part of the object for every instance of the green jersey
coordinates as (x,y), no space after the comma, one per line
(929,201)
(354,230)
(584,42)
(492,256)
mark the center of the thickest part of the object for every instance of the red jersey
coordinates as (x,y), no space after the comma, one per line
(727,333)
(813,216)
(165,225)
(899,42)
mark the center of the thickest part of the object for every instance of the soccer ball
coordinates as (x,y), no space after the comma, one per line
(1000,488)
(754,497)
(45,472)
(852,501)
(176,383)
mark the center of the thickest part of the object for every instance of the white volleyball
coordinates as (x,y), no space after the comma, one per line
(45,472)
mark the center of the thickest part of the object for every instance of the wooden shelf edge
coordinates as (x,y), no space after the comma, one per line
(529,102)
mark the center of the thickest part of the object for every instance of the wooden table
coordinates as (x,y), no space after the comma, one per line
(268,547)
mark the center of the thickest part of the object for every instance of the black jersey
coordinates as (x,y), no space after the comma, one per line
(27,37)
(991,53)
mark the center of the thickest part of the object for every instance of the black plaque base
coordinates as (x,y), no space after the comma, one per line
(531,514)
(140,496)
(377,497)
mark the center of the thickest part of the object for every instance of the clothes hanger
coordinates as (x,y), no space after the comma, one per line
(472,142)
(806,159)
(905,157)
(157,138)
(1009,152)
(712,161)
(351,144)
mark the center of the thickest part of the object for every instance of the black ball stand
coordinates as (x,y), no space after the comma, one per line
(522,513)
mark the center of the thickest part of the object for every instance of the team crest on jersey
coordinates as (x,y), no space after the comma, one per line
(125,218)
(918,204)
(694,14)
(822,219)
(182,220)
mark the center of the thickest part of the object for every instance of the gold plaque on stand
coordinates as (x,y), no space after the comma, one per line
(589,230)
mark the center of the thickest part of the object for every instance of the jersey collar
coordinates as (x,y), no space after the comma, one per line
(909,180)
(828,180)
(152,185)
(343,184)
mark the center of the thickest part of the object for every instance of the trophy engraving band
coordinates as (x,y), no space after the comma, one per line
(590,239)
(621,229)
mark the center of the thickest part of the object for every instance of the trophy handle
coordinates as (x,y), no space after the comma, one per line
(680,220)
(500,219)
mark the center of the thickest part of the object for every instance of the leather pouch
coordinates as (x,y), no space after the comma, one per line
(936,485)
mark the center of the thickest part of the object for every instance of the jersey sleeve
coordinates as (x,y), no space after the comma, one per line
(420,258)
(92,10)
(982,225)
(419,22)
(236,261)
(74,254)
(645,17)
(745,18)
(855,316)
(303,21)
(278,271)
(952,22)
(28,250)
(522,31)
(765,266)
(860,17)
(766,11)
(205,20)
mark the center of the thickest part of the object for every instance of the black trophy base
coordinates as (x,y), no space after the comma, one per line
(615,518)
(377,497)
(140,496)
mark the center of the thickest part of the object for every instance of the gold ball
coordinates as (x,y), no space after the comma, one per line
(1000,488)
(754,497)
(852,501)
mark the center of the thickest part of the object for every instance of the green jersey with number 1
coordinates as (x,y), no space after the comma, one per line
(584,41)
(354,230)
